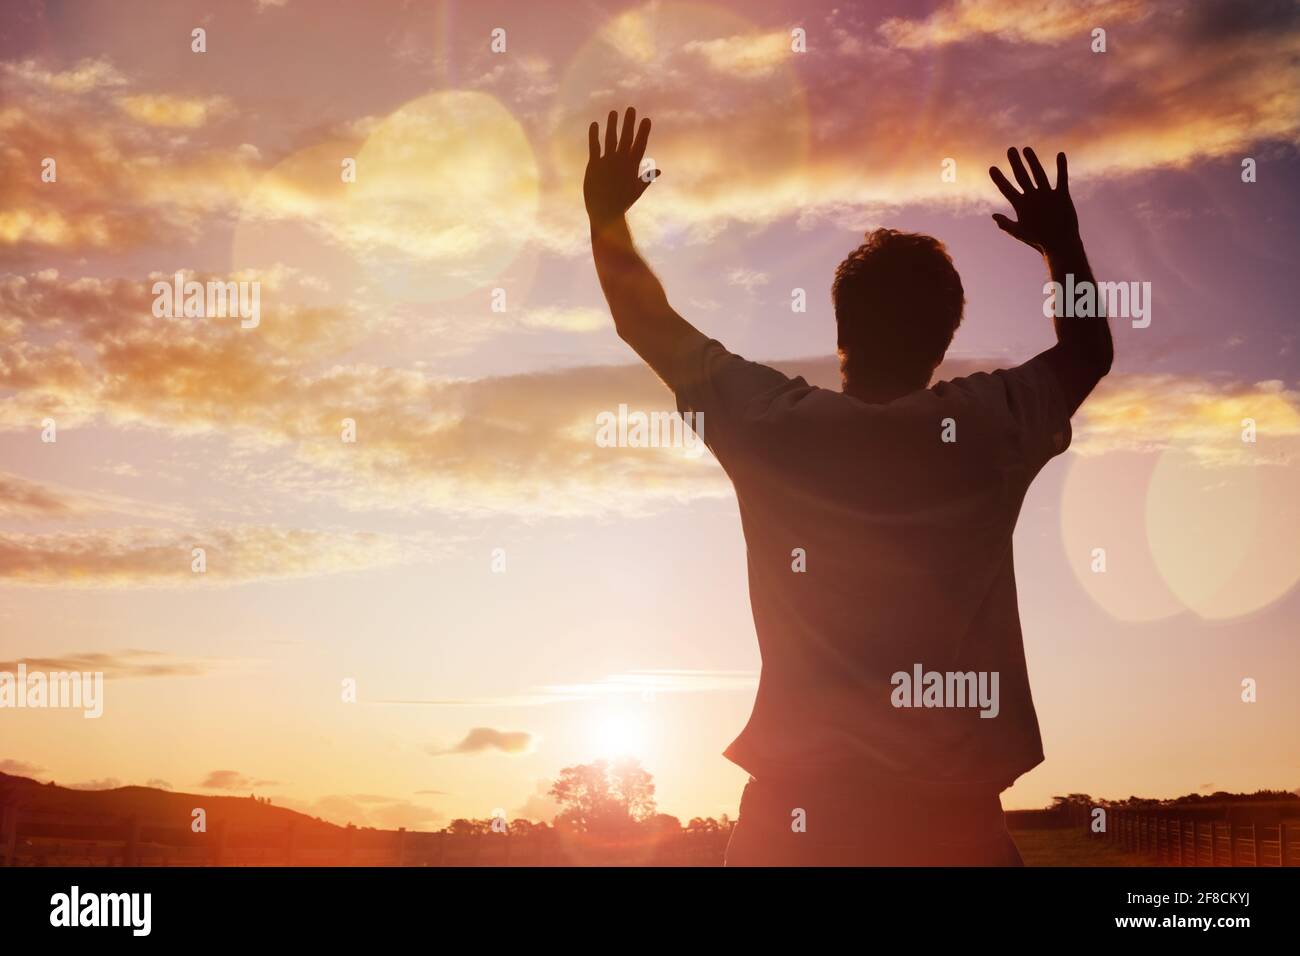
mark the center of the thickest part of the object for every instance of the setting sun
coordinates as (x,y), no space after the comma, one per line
(619,732)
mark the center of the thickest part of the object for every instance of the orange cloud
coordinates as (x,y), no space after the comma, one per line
(482,739)
(780,135)
(83,77)
(148,557)
(1030,21)
(1202,417)
(161,109)
(745,55)
(122,175)
(20,498)
(801,140)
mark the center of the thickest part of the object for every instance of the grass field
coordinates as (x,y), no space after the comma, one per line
(1071,846)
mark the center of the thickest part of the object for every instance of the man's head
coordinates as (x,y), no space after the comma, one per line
(898,301)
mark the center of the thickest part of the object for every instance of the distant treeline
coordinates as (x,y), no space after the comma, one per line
(1075,809)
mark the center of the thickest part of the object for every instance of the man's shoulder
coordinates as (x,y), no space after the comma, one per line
(983,391)
(971,384)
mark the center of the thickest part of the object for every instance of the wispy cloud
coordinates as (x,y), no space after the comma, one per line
(233,780)
(128,663)
(745,55)
(149,557)
(747,279)
(23,498)
(637,682)
(81,77)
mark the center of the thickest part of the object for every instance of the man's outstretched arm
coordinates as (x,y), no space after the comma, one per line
(642,315)
(1046,220)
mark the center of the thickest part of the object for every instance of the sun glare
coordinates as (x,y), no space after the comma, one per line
(619,732)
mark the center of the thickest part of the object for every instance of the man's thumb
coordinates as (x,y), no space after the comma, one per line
(1009,227)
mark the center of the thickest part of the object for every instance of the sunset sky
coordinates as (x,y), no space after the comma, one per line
(621,620)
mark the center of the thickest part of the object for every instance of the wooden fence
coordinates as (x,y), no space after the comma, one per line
(1184,841)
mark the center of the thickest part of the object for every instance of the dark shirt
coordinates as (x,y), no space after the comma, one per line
(906,542)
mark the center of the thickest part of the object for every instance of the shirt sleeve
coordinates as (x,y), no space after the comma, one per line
(1038,408)
(721,394)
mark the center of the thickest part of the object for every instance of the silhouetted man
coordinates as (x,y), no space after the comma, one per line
(894,704)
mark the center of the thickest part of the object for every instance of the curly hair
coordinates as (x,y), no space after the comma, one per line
(898,302)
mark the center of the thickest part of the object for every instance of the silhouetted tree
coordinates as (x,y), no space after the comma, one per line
(663,823)
(522,827)
(463,827)
(635,788)
(600,798)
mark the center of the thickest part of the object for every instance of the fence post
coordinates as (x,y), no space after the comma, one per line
(131,853)
(219,844)
(401,845)
(9,836)
(1281,843)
